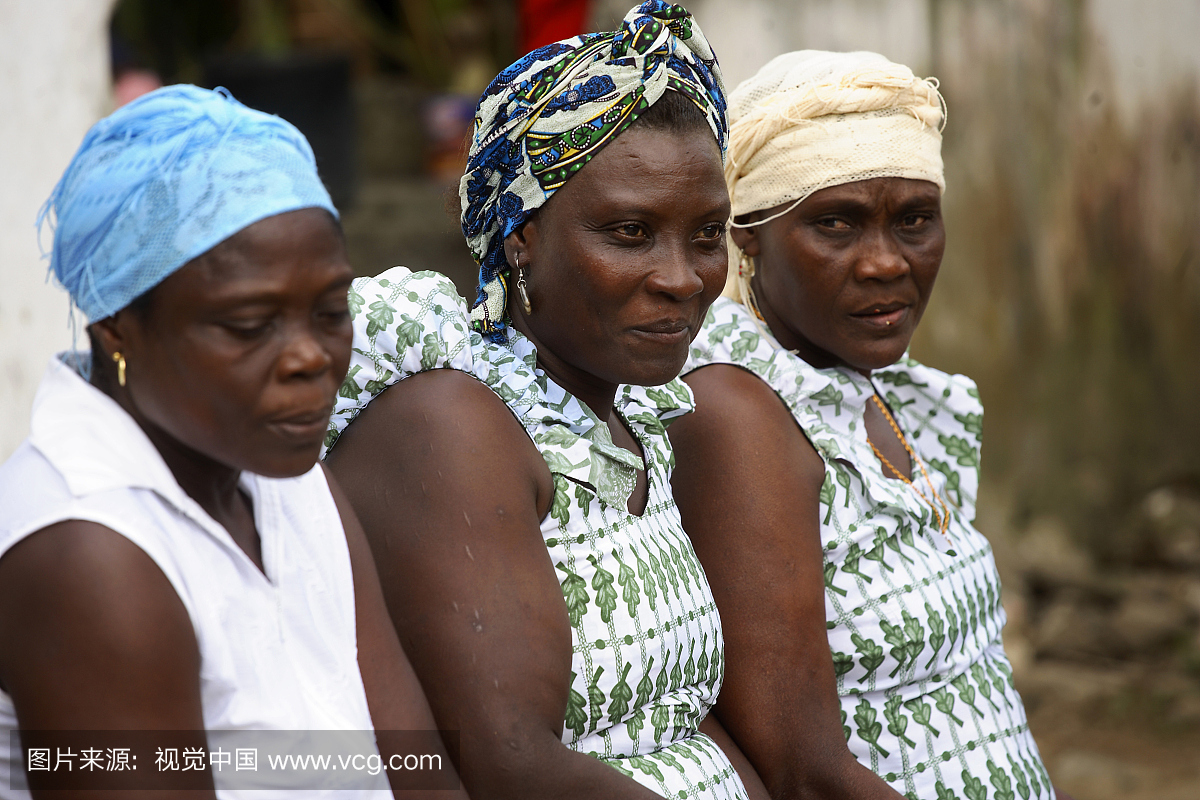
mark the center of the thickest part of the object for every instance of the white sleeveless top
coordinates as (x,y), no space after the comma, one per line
(277,651)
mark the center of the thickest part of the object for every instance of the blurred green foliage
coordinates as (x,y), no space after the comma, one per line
(173,37)
(425,39)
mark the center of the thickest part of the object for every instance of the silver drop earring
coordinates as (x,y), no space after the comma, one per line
(521,288)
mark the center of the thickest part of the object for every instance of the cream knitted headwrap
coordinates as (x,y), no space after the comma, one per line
(814,119)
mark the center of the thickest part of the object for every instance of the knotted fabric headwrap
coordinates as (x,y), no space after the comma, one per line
(812,119)
(549,113)
(163,180)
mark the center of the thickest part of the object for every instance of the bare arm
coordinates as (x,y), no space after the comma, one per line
(747,482)
(94,637)
(394,694)
(450,491)
(711,727)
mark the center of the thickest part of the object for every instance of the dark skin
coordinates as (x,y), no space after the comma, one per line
(842,280)
(232,365)
(609,319)
(869,253)
(621,263)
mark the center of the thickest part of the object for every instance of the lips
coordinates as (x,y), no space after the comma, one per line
(667,331)
(884,315)
(307,424)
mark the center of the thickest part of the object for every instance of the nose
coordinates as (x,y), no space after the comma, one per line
(677,274)
(882,258)
(304,355)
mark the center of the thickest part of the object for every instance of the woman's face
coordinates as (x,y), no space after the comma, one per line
(844,278)
(624,260)
(240,353)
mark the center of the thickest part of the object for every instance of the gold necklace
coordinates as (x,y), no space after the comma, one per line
(943,519)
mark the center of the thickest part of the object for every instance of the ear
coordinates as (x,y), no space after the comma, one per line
(524,241)
(110,334)
(746,238)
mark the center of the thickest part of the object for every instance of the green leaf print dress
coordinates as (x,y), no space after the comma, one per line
(648,651)
(913,616)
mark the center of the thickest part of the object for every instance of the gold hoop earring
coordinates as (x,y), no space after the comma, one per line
(120,359)
(524,295)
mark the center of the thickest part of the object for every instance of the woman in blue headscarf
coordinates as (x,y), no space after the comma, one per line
(521,513)
(172,558)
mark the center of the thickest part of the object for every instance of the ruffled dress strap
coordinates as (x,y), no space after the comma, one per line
(404,323)
(826,403)
(940,414)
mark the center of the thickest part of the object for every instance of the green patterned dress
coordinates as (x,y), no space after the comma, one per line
(648,651)
(914,617)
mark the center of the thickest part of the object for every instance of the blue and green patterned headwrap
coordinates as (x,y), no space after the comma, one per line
(545,116)
(165,179)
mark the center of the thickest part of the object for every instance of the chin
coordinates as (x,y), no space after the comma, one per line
(652,372)
(880,357)
(864,353)
(283,462)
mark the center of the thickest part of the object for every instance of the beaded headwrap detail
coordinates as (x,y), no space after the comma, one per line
(549,113)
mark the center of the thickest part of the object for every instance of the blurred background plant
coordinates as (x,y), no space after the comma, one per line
(439,43)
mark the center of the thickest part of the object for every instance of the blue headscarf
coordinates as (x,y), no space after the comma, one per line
(548,114)
(164,180)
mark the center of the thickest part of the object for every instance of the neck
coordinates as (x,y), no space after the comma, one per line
(213,485)
(792,339)
(596,394)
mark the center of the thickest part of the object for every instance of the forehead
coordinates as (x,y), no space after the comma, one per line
(874,191)
(650,166)
(269,253)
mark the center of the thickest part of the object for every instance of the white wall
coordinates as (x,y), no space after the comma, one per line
(1153,47)
(54,83)
(745,34)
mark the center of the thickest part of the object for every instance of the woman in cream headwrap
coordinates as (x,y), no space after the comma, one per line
(861,607)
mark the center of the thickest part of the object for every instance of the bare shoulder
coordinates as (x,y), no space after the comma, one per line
(451,491)
(92,582)
(93,633)
(444,420)
(739,419)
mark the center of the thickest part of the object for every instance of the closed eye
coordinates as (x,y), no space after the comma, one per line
(247,329)
(334,316)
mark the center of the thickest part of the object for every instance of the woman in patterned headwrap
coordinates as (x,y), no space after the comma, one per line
(521,513)
(863,607)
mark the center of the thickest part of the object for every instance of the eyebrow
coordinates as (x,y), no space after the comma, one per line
(619,210)
(265,295)
(854,204)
